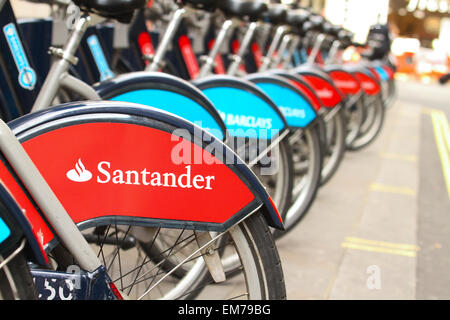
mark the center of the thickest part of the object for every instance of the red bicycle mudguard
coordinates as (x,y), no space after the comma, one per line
(301,84)
(368,81)
(323,85)
(113,162)
(347,83)
(43,232)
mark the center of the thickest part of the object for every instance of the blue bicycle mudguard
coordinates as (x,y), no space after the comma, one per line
(4,231)
(168,93)
(296,108)
(100,128)
(246,109)
(14,226)
(381,73)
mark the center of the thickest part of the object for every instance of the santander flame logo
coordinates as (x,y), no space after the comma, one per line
(80,173)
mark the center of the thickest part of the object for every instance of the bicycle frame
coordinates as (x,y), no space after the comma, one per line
(86,42)
(299,100)
(282,41)
(266,108)
(156,61)
(58,74)
(46,199)
(42,194)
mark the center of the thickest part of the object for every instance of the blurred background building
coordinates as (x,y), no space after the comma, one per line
(420,30)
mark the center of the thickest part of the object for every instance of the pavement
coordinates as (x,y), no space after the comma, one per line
(380,228)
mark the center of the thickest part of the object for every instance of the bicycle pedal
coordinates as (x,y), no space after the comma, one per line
(124,243)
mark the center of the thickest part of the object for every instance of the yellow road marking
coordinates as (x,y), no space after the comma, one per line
(397,156)
(442,136)
(355,246)
(402,246)
(441,120)
(427,110)
(392,189)
(401,249)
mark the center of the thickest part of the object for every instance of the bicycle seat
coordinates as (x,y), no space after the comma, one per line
(121,10)
(345,37)
(207,5)
(276,14)
(317,21)
(243,8)
(334,30)
(327,28)
(295,18)
(306,27)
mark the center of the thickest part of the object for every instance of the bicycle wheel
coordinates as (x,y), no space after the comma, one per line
(16,282)
(276,174)
(307,158)
(372,124)
(354,117)
(336,132)
(124,252)
(275,171)
(391,93)
(278,178)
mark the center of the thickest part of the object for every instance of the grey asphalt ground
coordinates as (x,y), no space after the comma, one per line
(380,229)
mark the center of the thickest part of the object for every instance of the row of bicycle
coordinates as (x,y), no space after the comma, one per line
(162,156)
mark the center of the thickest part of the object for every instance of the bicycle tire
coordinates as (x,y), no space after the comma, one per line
(354,116)
(335,146)
(281,196)
(371,127)
(16,282)
(280,191)
(305,187)
(391,94)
